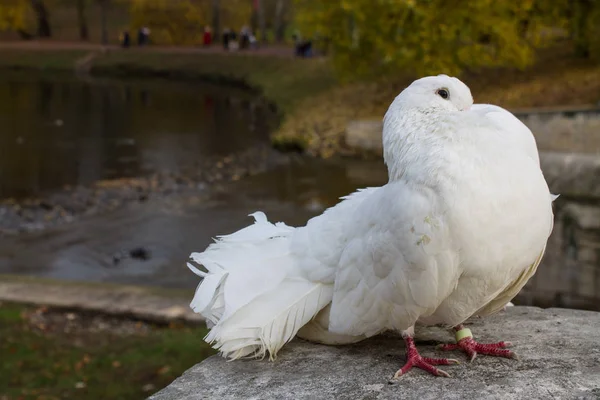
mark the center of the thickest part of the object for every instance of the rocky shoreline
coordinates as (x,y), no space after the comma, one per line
(70,203)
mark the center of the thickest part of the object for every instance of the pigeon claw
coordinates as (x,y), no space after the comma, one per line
(414,359)
(469,346)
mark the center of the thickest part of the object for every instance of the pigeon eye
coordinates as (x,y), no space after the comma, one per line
(444,94)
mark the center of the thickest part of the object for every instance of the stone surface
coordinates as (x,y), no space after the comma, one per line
(146,303)
(559,350)
(567,173)
(572,174)
(564,129)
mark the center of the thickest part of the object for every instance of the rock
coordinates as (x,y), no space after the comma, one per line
(559,350)
(140,253)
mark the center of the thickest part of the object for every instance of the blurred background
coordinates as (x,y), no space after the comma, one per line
(132,132)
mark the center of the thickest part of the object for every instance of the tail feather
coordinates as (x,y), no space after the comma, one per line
(252,295)
(208,299)
(271,320)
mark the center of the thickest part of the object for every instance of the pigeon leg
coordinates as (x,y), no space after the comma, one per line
(414,359)
(466,343)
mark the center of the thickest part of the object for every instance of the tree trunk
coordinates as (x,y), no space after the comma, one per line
(82,20)
(216,19)
(43,18)
(579,29)
(254,16)
(279,24)
(103,20)
(261,20)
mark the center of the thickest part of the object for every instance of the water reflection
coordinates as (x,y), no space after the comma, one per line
(171,228)
(58,131)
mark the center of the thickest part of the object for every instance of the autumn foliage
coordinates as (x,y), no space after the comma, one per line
(13,14)
(171,21)
(375,37)
(180,22)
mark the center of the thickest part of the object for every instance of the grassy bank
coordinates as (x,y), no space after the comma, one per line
(50,354)
(557,78)
(283,80)
(45,60)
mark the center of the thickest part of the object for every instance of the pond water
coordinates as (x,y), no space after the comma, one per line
(60,130)
(64,131)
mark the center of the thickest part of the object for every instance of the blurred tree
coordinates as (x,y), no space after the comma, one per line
(254,16)
(82,20)
(260,12)
(374,37)
(236,13)
(216,18)
(13,17)
(42,17)
(585,27)
(279,23)
(13,14)
(262,22)
(104,4)
(171,21)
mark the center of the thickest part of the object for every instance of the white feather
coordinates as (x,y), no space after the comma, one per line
(252,295)
(270,320)
(465,213)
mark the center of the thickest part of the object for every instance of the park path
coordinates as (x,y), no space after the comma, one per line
(44,45)
(145,303)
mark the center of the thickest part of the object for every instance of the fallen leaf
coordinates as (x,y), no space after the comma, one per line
(148,387)
(163,370)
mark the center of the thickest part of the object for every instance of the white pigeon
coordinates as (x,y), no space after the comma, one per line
(457,231)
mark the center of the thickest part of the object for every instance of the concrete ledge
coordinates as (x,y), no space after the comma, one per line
(568,173)
(559,350)
(144,303)
(556,129)
(572,174)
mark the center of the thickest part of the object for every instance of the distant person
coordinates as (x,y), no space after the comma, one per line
(245,37)
(146,34)
(233,42)
(125,39)
(140,37)
(207,37)
(303,48)
(143,36)
(253,42)
(297,40)
(307,49)
(226,38)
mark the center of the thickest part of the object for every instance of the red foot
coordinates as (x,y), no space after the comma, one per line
(414,359)
(472,348)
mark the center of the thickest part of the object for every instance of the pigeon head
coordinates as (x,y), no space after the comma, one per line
(435,94)
(418,119)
